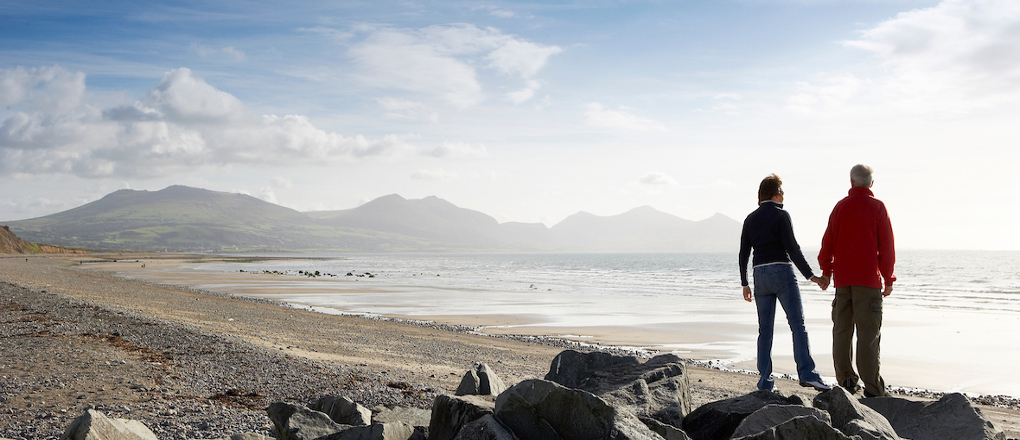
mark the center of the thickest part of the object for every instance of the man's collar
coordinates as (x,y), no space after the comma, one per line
(861,191)
(780,205)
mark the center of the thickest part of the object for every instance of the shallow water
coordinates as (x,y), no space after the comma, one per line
(952,323)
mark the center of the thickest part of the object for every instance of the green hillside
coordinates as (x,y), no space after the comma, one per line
(180,219)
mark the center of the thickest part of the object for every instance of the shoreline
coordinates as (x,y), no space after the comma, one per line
(431,357)
(544,336)
(712,328)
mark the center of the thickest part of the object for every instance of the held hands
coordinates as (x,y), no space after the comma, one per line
(823,282)
(747,294)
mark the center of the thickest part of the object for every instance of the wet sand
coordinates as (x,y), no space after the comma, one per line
(432,357)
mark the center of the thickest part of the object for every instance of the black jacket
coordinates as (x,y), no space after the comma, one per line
(769,231)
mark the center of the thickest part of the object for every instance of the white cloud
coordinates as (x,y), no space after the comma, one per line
(281,182)
(182,123)
(953,58)
(831,93)
(229,52)
(436,174)
(44,89)
(502,13)
(267,194)
(525,94)
(458,149)
(518,57)
(598,116)
(409,110)
(657,178)
(444,60)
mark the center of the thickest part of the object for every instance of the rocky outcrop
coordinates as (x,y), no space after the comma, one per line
(799,428)
(539,410)
(411,416)
(378,431)
(296,422)
(603,404)
(11,244)
(771,416)
(485,428)
(720,419)
(93,425)
(658,388)
(952,417)
(343,410)
(482,381)
(451,413)
(853,418)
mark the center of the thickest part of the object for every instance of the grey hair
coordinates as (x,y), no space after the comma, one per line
(860,175)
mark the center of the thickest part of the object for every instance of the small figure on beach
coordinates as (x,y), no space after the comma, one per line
(857,255)
(768,231)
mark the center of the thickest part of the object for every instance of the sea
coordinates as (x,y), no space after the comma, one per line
(951,324)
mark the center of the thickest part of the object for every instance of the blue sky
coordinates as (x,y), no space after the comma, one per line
(525,111)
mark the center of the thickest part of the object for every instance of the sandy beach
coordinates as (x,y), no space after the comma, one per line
(195,364)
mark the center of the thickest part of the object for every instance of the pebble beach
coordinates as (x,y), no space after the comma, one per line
(192,363)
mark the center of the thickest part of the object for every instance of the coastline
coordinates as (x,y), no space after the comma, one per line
(431,358)
(705,325)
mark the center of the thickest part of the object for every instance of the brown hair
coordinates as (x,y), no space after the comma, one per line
(770,186)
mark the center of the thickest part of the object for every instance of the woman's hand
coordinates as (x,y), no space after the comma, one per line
(822,282)
(747,294)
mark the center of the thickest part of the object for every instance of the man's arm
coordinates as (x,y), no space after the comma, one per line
(886,250)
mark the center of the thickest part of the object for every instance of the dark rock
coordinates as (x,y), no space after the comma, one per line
(485,428)
(542,410)
(480,380)
(378,431)
(853,418)
(343,410)
(94,425)
(451,413)
(668,432)
(719,419)
(645,389)
(799,428)
(770,416)
(295,422)
(952,417)
(569,367)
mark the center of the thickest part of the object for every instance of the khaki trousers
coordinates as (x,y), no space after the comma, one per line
(860,308)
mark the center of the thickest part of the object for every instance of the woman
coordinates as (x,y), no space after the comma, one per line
(769,232)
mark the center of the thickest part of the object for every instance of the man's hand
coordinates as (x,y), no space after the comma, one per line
(823,282)
(747,294)
(888,290)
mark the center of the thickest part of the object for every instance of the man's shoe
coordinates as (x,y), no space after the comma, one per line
(850,385)
(817,384)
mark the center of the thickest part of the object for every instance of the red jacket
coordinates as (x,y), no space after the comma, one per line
(857,248)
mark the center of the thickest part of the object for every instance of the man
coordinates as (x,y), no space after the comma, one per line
(858,254)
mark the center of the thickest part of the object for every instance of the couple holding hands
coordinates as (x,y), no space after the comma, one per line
(857,255)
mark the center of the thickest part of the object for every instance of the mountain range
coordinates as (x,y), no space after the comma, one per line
(184,219)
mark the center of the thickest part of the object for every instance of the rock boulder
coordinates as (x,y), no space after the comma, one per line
(343,410)
(542,410)
(296,422)
(94,425)
(451,413)
(480,380)
(719,419)
(952,417)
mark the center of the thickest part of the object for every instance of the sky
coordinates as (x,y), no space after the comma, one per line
(525,111)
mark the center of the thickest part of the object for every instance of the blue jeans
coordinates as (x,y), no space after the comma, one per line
(778,282)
